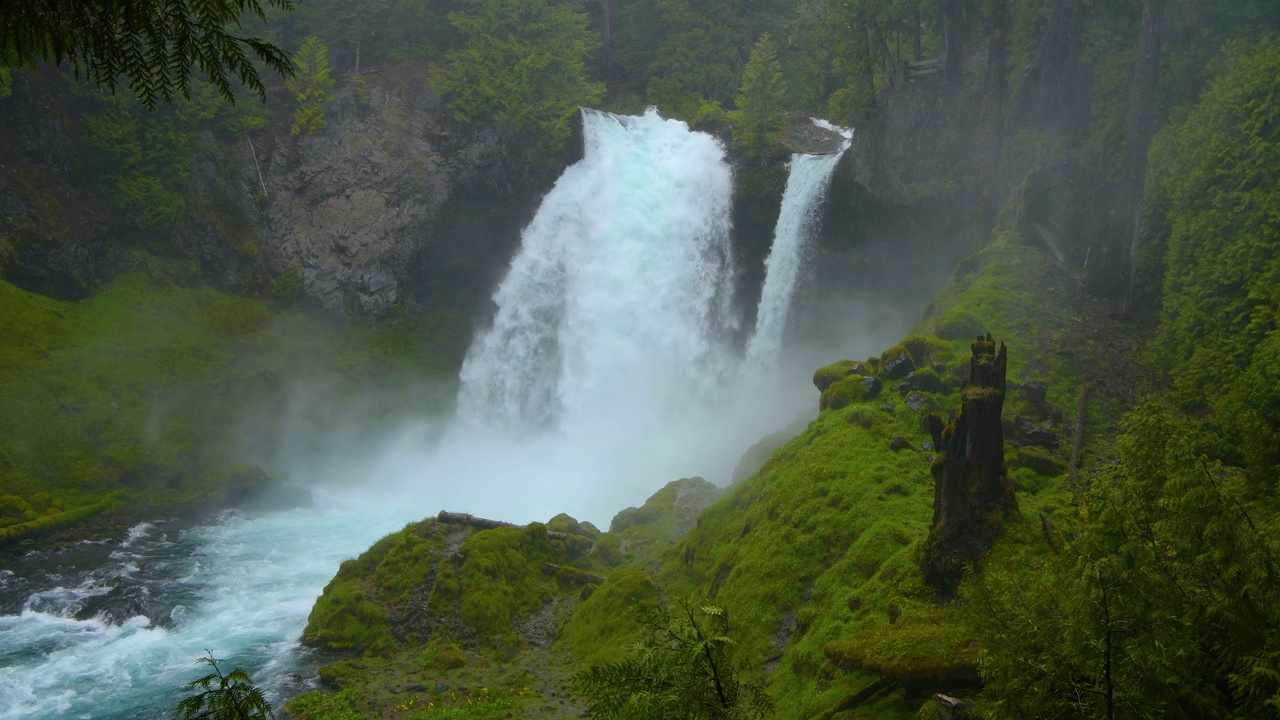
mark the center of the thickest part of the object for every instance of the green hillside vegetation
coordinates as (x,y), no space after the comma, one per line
(1116,180)
(133,398)
(1140,583)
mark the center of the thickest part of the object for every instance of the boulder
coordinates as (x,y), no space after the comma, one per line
(896,363)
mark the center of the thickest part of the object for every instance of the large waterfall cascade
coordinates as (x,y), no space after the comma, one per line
(798,219)
(613,335)
(619,295)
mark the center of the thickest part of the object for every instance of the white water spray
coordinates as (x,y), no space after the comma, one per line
(618,298)
(599,382)
(798,219)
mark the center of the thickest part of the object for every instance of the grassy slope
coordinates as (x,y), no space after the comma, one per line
(815,555)
(135,394)
(508,609)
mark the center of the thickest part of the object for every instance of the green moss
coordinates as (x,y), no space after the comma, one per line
(135,389)
(927,645)
(345,617)
(1038,460)
(567,524)
(441,654)
(957,325)
(924,349)
(825,377)
(665,516)
(863,416)
(603,624)
(342,705)
(896,363)
(843,393)
(501,577)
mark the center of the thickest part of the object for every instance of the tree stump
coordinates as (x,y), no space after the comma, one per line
(972,494)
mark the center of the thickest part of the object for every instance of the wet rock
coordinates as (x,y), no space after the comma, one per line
(871,387)
(896,363)
(922,380)
(917,401)
(1039,460)
(897,442)
(1035,391)
(826,376)
(1037,436)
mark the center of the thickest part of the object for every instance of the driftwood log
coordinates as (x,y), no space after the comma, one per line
(453,518)
(972,493)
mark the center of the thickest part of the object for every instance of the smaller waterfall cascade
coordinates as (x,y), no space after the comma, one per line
(619,296)
(807,184)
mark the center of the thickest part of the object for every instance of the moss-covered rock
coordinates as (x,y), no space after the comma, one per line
(1039,460)
(843,393)
(825,377)
(896,363)
(926,648)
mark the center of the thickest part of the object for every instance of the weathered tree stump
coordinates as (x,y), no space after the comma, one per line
(972,494)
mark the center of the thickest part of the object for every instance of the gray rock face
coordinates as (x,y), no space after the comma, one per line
(350,206)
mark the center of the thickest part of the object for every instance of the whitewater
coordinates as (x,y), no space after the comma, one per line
(609,369)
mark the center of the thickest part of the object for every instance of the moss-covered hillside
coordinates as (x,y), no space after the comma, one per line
(814,555)
(465,617)
(143,395)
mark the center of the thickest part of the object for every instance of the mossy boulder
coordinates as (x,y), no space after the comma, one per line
(825,377)
(843,393)
(923,380)
(896,363)
(922,649)
(925,349)
(1039,460)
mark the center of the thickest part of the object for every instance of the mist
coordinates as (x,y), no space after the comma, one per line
(614,362)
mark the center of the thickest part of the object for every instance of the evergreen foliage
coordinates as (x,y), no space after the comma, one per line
(682,669)
(1167,603)
(153,45)
(1222,278)
(312,86)
(699,57)
(760,100)
(524,66)
(234,698)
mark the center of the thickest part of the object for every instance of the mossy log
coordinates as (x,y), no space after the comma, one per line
(452,518)
(972,493)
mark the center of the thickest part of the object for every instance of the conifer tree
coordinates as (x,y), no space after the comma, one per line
(759,115)
(312,86)
(229,696)
(524,66)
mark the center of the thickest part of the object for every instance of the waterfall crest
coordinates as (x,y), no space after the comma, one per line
(807,184)
(619,295)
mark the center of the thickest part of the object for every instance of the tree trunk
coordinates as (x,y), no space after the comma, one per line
(972,494)
(955,34)
(916,33)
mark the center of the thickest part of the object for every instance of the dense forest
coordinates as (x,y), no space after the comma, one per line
(1111,170)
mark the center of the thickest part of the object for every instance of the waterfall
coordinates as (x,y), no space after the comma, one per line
(619,296)
(807,184)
